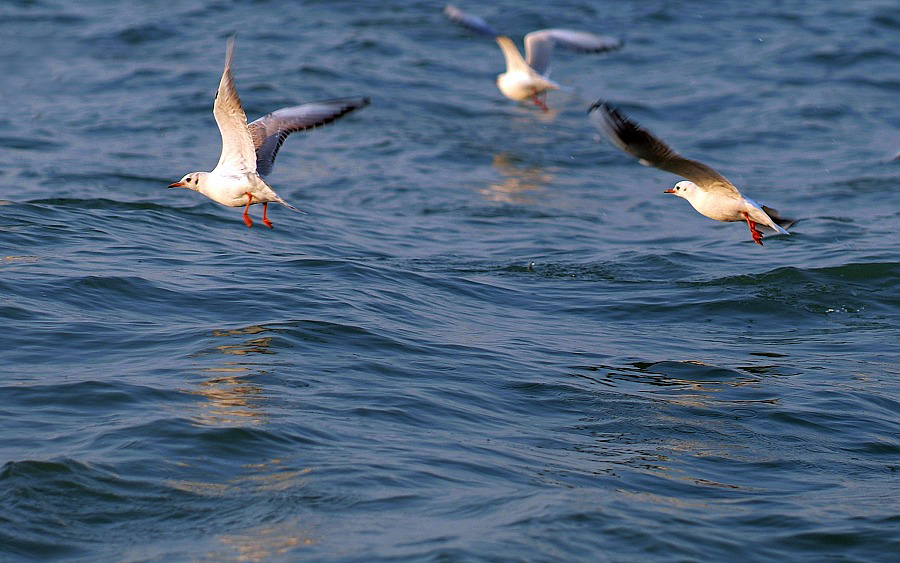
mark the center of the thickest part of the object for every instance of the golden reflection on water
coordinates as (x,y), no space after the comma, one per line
(260,543)
(18,259)
(233,400)
(519,183)
(264,477)
(230,400)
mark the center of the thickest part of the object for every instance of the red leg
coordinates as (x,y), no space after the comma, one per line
(266,221)
(539,102)
(247,220)
(754,232)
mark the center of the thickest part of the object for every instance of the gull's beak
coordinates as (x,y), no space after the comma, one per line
(176,185)
(669,191)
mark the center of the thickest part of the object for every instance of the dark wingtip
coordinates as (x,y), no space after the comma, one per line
(597,105)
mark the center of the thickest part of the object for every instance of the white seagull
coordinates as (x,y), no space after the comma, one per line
(248,152)
(705,189)
(528,78)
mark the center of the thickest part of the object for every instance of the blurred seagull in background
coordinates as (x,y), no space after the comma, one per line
(248,152)
(705,189)
(528,78)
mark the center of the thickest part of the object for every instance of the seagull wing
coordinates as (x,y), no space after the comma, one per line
(514,60)
(238,154)
(469,21)
(269,132)
(640,143)
(539,45)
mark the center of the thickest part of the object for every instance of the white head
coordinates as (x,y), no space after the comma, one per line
(193,181)
(683,189)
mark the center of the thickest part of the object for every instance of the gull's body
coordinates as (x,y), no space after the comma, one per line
(521,81)
(705,189)
(249,151)
(527,78)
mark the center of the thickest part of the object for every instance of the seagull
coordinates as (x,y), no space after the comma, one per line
(248,152)
(528,78)
(705,189)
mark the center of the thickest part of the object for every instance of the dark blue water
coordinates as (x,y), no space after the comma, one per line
(491,337)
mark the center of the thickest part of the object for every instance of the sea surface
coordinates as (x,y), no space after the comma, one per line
(491,337)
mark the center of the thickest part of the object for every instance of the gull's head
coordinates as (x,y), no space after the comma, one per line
(191,181)
(683,189)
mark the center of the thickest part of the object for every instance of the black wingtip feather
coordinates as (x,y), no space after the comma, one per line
(596,105)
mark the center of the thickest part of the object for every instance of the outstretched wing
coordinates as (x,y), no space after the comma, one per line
(238,154)
(640,143)
(469,21)
(269,132)
(514,60)
(539,45)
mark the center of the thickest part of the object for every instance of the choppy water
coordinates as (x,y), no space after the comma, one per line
(491,337)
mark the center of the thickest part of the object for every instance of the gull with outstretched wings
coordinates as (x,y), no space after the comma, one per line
(527,78)
(248,151)
(705,189)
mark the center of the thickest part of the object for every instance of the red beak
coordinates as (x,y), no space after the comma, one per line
(176,185)
(669,191)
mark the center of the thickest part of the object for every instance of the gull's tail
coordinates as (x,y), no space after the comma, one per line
(783,223)
(289,206)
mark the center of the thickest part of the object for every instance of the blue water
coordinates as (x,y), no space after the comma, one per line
(491,337)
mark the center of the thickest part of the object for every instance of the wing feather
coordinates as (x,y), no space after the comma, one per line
(469,21)
(640,143)
(539,45)
(238,154)
(269,132)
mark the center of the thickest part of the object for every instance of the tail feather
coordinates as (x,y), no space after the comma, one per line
(783,222)
(289,206)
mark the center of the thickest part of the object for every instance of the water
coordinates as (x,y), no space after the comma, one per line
(491,337)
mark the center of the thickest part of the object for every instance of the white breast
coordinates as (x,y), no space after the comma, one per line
(522,86)
(231,190)
(717,205)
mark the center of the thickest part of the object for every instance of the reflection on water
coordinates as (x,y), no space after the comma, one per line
(261,543)
(18,259)
(251,346)
(688,375)
(263,477)
(232,399)
(518,183)
(690,386)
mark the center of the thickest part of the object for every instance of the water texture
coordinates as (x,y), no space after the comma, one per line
(491,337)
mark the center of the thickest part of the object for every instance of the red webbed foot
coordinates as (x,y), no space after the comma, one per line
(754,232)
(266,221)
(539,102)
(247,220)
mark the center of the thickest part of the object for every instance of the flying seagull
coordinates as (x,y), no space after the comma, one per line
(705,189)
(248,152)
(528,78)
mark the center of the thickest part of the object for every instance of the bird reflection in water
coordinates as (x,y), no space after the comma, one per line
(233,399)
(519,183)
(678,387)
(261,543)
